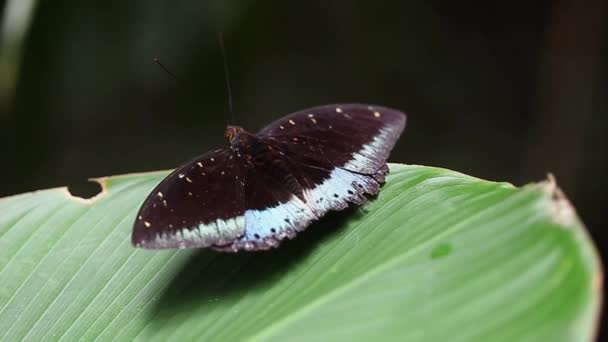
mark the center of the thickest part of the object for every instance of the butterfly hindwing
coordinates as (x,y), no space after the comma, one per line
(274,201)
(198,205)
(284,196)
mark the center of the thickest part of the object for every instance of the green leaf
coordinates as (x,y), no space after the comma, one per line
(437,256)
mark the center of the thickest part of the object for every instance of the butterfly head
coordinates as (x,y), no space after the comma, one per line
(240,138)
(233,133)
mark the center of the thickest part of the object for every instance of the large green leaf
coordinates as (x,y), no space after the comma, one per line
(437,256)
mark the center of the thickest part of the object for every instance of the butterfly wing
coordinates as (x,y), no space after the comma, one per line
(198,205)
(304,165)
(312,162)
(355,137)
(275,208)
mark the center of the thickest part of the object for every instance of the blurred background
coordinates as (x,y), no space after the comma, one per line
(505,91)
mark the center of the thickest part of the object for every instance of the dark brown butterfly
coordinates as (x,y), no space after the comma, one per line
(269,186)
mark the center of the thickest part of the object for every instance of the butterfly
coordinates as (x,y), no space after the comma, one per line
(269,186)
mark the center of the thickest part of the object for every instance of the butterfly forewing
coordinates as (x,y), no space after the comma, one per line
(355,137)
(198,205)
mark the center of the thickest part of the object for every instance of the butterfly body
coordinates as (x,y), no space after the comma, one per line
(269,186)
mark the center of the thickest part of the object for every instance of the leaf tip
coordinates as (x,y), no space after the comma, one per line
(560,208)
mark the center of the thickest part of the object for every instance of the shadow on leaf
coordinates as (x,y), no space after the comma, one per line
(209,279)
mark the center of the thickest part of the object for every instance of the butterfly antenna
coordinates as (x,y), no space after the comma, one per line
(227,76)
(157,61)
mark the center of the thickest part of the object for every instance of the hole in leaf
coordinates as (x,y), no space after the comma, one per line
(85,190)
